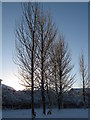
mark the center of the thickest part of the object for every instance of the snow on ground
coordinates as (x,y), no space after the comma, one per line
(64,113)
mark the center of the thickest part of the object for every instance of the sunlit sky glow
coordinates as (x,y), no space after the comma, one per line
(72,22)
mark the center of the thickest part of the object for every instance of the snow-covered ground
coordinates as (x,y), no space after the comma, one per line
(64,113)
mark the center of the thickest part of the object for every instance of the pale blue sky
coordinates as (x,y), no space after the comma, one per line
(72,22)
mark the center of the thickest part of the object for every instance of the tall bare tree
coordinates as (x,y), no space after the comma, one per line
(26,44)
(33,39)
(84,75)
(53,65)
(61,59)
(46,35)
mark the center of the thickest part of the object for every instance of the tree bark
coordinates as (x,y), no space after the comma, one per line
(32,65)
(42,75)
(83,91)
(60,95)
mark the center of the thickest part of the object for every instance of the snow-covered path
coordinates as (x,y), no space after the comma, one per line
(64,113)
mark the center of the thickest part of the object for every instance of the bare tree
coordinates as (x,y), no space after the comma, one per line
(62,68)
(46,35)
(84,75)
(53,66)
(33,39)
(26,44)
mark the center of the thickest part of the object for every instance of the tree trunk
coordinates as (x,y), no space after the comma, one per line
(43,97)
(32,89)
(60,94)
(83,91)
(58,102)
(60,107)
(55,79)
(56,86)
(42,80)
